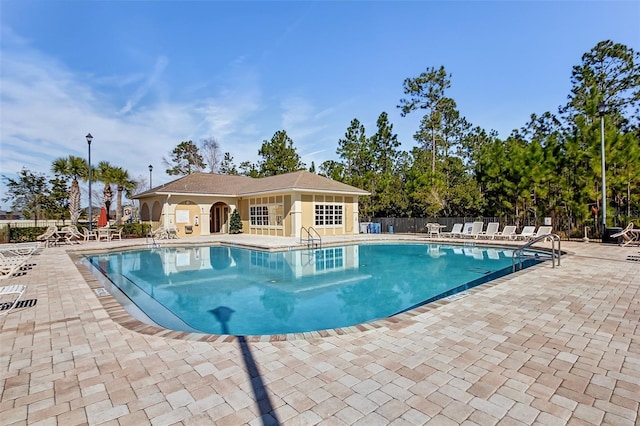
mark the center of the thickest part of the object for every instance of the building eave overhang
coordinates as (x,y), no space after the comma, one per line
(188,194)
(302,190)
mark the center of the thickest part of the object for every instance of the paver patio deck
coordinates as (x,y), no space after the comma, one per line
(543,346)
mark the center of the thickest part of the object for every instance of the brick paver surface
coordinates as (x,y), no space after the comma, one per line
(544,346)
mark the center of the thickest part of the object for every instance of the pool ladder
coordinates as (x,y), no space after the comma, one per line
(555,254)
(153,244)
(314,240)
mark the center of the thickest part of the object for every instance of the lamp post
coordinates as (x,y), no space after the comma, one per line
(89,139)
(601,111)
(150,176)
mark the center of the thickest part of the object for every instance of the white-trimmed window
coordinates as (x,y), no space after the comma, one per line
(266,215)
(328,215)
(259,215)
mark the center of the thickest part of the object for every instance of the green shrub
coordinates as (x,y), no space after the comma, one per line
(25,235)
(135,229)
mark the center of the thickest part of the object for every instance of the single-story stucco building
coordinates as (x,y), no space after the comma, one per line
(202,203)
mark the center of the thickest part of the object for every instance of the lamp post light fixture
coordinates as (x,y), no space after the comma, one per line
(150,176)
(602,109)
(89,139)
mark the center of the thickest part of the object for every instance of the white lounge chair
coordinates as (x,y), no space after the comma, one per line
(476,230)
(492,230)
(527,232)
(543,230)
(12,290)
(508,233)
(10,264)
(20,249)
(466,229)
(456,231)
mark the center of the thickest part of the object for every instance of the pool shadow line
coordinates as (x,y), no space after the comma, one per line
(267,413)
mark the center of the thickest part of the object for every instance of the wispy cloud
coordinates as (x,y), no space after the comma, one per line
(149,83)
(47,109)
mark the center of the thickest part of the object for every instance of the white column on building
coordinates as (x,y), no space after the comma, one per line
(356,223)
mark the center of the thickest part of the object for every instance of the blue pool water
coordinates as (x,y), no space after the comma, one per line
(229,290)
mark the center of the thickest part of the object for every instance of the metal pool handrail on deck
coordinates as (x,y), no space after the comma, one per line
(520,250)
(311,240)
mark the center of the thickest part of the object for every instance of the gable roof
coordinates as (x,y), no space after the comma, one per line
(200,183)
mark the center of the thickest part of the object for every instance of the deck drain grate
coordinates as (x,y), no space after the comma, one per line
(101,292)
(457,296)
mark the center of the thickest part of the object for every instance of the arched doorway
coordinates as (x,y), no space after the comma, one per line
(219,218)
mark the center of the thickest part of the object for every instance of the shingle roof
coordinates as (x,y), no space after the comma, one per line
(200,183)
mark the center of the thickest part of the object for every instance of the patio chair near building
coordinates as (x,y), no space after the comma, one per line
(88,235)
(117,234)
(104,234)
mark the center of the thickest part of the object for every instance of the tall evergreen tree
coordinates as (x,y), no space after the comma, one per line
(227,167)
(427,92)
(609,73)
(279,156)
(185,159)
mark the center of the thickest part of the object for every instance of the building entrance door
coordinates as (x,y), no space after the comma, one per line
(219,215)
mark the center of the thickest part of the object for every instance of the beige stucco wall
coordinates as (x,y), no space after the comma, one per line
(181,211)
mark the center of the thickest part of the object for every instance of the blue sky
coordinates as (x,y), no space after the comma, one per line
(142,76)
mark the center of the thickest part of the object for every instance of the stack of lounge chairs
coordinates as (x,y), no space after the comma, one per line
(13,259)
(628,236)
(165,233)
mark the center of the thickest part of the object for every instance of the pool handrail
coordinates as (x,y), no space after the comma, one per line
(311,240)
(519,251)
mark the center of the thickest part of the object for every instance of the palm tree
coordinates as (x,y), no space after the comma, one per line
(103,174)
(123,182)
(74,168)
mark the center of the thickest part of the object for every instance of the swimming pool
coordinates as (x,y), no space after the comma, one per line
(231,290)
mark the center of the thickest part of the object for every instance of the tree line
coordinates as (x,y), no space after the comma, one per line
(37,196)
(551,166)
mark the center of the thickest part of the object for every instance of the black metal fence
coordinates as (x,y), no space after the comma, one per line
(404,225)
